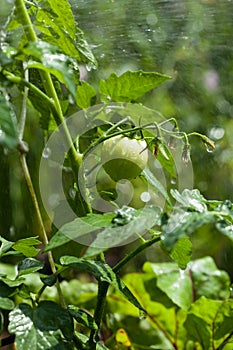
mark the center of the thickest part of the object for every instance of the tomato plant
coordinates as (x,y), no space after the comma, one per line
(79,300)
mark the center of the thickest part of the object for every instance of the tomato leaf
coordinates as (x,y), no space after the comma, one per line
(62,30)
(47,326)
(85,93)
(209,322)
(130,85)
(103,273)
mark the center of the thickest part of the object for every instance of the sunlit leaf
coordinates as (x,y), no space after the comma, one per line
(130,85)
(182,252)
(62,30)
(209,322)
(85,93)
(190,199)
(6,304)
(47,326)
(26,246)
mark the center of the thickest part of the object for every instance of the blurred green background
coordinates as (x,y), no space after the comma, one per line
(191,40)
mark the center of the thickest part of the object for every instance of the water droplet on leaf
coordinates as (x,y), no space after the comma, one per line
(46,153)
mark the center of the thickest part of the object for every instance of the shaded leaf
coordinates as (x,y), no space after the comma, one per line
(130,85)
(225,228)
(208,280)
(183,223)
(8,126)
(82,316)
(5,246)
(48,280)
(209,322)
(103,273)
(29,265)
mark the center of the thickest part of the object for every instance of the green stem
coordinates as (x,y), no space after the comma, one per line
(98,314)
(135,252)
(83,206)
(43,234)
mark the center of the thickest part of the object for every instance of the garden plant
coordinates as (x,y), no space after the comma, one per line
(114,178)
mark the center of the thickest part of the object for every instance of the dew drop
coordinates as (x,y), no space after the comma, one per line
(145,197)
(142,315)
(72,193)
(46,153)
(173,181)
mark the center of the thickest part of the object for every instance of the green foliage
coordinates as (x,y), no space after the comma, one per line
(8,134)
(48,324)
(129,86)
(183,304)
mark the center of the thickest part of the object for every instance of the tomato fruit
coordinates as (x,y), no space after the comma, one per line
(124,158)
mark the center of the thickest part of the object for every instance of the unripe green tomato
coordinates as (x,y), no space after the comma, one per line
(124,158)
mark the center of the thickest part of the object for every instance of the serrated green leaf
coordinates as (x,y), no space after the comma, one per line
(8,126)
(83,317)
(143,220)
(209,322)
(84,94)
(61,30)
(29,265)
(182,252)
(130,85)
(103,273)
(46,327)
(26,246)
